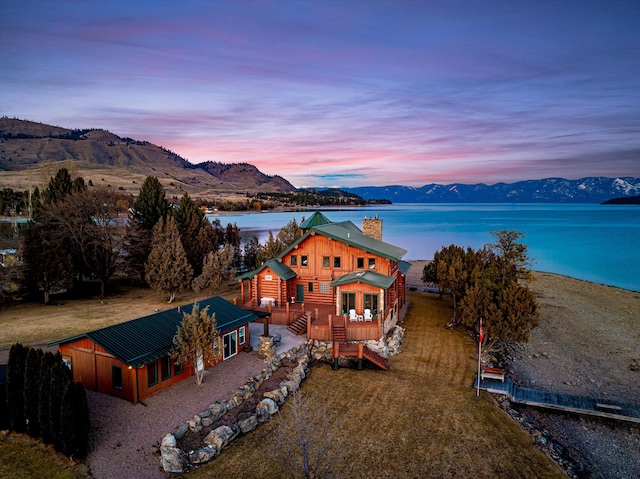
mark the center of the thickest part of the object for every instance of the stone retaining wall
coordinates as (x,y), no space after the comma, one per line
(386,346)
(174,459)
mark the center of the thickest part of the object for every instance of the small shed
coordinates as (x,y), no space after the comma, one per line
(131,360)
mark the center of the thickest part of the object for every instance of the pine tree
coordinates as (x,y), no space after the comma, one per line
(59,186)
(196,232)
(167,269)
(216,269)
(250,254)
(15,386)
(151,205)
(197,340)
(32,391)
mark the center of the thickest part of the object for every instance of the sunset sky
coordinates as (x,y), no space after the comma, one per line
(341,92)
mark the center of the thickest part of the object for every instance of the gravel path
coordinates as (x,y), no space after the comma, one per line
(125,438)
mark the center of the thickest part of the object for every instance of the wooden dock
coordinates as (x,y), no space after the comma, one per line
(562,402)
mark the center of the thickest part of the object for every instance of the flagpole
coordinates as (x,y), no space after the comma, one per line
(481,337)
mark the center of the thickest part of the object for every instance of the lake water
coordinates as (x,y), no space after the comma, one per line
(599,243)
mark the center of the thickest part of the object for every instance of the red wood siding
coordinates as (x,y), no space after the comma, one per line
(92,366)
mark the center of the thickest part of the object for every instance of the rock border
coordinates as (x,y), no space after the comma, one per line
(175,460)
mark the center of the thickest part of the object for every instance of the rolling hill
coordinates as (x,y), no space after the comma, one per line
(31,153)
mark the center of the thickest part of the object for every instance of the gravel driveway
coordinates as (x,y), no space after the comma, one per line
(124,438)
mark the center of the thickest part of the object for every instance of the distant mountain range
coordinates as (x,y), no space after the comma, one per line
(549,190)
(30,153)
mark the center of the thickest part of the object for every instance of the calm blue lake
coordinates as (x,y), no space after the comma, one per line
(599,243)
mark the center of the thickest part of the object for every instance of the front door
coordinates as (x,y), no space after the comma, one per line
(299,293)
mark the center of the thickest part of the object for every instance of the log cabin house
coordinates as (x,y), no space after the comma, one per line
(335,283)
(131,360)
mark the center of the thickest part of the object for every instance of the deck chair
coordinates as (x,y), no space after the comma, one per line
(352,315)
(367,315)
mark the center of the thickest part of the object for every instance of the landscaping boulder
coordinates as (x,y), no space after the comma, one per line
(248,424)
(202,455)
(221,436)
(276,395)
(217,411)
(265,409)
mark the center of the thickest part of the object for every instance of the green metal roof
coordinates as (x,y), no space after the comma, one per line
(140,341)
(368,277)
(404,266)
(349,233)
(279,268)
(316,219)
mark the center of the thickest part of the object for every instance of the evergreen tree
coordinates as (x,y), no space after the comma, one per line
(197,341)
(59,186)
(32,391)
(196,232)
(216,270)
(167,269)
(74,420)
(250,254)
(60,377)
(270,250)
(151,204)
(15,386)
(289,233)
(233,238)
(46,364)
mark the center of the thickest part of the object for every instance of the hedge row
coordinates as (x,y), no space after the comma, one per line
(43,401)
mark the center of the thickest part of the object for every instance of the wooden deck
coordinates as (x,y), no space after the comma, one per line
(561,401)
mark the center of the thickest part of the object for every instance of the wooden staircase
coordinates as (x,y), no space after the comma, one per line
(299,326)
(339,333)
(375,358)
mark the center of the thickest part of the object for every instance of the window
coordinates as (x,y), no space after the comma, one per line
(177,368)
(348,302)
(310,287)
(294,260)
(372,263)
(216,347)
(360,263)
(304,260)
(230,345)
(336,262)
(116,377)
(152,374)
(66,359)
(326,262)
(165,368)
(324,287)
(371,302)
(241,337)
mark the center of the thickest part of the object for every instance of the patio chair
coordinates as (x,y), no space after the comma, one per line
(367,315)
(352,315)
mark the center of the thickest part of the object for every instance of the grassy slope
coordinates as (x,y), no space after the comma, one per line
(419,419)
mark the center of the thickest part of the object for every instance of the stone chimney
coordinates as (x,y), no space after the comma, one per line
(372,227)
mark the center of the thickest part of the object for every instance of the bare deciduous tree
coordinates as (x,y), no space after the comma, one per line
(304,439)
